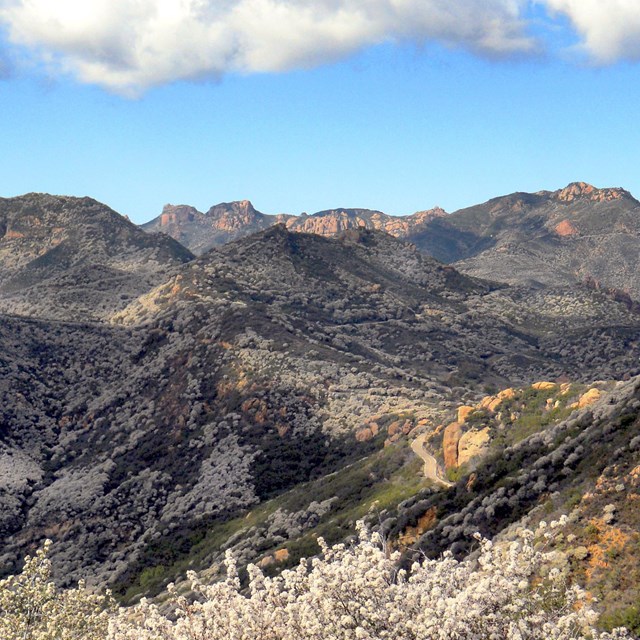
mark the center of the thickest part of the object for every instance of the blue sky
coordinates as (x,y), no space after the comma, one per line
(400,122)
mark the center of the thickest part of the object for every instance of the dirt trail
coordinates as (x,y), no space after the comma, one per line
(430,463)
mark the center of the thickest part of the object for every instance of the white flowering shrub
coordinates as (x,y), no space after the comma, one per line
(350,593)
(358,593)
(32,608)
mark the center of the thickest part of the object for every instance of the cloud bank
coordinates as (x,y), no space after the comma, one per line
(130,45)
(127,45)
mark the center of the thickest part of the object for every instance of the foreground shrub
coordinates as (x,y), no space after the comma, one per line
(349,593)
(32,608)
(357,593)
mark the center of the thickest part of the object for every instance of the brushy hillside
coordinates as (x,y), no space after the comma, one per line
(269,391)
(550,449)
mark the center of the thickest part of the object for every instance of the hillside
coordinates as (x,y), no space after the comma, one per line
(64,258)
(575,234)
(262,393)
(547,449)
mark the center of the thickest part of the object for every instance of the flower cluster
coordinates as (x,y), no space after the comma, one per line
(32,608)
(351,592)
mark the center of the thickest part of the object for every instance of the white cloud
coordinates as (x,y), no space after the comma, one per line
(610,28)
(130,45)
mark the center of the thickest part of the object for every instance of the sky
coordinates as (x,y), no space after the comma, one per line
(305,105)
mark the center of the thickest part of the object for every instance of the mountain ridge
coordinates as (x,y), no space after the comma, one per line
(560,237)
(228,221)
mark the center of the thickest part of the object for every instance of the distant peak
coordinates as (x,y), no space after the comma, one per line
(177,214)
(348,212)
(427,214)
(585,191)
(234,205)
(174,208)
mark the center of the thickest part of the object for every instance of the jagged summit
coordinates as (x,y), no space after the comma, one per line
(229,221)
(239,207)
(172,214)
(582,190)
(348,212)
(221,223)
(550,237)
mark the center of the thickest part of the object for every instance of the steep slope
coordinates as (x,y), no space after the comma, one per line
(65,257)
(575,234)
(549,449)
(369,294)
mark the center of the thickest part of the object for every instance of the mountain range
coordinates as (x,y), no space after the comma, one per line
(232,220)
(158,407)
(549,237)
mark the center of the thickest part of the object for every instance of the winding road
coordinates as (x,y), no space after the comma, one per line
(430,463)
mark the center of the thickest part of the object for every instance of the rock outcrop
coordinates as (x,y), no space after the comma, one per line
(472,445)
(589,397)
(452,435)
(583,191)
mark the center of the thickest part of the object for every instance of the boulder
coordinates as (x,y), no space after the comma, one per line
(486,401)
(463,413)
(493,402)
(394,427)
(364,435)
(544,386)
(412,534)
(394,438)
(473,444)
(505,394)
(588,398)
(266,561)
(281,555)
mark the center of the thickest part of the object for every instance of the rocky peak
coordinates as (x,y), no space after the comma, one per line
(231,220)
(428,214)
(332,222)
(178,214)
(235,214)
(584,191)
